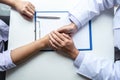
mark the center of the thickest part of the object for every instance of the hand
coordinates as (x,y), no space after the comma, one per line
(63,42)
(68,29)
(25,8)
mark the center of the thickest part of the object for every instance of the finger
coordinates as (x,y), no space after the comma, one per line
(59,35)
(54,41)
(71,35)
(32,6)
(26,17)
(62,30)
(65,29)
(56,38)
(30,9)
(66,36)
(53,46)
(28,14)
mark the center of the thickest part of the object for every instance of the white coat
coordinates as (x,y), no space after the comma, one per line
(89,65)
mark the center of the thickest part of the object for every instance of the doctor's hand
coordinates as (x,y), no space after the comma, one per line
(68,29)
(25,8)
(64,43)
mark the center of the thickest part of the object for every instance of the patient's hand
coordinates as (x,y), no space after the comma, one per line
(63,42)
(25,8)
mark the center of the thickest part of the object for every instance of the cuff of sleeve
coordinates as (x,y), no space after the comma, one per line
(8,61)
(79,60)
(74,20)
(116,21)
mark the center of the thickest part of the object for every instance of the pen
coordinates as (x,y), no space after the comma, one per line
(48,17)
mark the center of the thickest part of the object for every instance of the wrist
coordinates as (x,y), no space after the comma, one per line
(16,3)
(43,42)
(73,24)
(74,27)
(75,53)
(13,4)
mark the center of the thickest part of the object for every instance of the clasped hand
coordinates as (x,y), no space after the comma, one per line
(61,41)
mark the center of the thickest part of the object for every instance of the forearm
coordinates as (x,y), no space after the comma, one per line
(20,54)
(5,61)
(96,68)
(80,16)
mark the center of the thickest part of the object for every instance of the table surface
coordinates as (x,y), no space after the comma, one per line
(48,65)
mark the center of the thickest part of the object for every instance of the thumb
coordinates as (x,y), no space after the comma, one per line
(63,30)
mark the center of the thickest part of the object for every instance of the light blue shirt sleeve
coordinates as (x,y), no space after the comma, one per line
(116,20)
(85,10)
(6,61)
(4,30)
(97,68)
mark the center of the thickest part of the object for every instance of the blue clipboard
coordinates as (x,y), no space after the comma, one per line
(90,30)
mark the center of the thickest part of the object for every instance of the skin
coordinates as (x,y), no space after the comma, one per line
(22,53)
(63,42)
(25,8)
(68,29)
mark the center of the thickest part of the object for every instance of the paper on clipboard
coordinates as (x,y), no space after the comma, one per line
(45,26)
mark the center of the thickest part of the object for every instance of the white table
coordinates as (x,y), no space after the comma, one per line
(49,65)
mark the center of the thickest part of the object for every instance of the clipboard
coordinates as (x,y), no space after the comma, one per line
(47,21)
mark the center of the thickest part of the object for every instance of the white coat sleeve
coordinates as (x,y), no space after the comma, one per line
(85,10)
(6,61)
(96,68)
